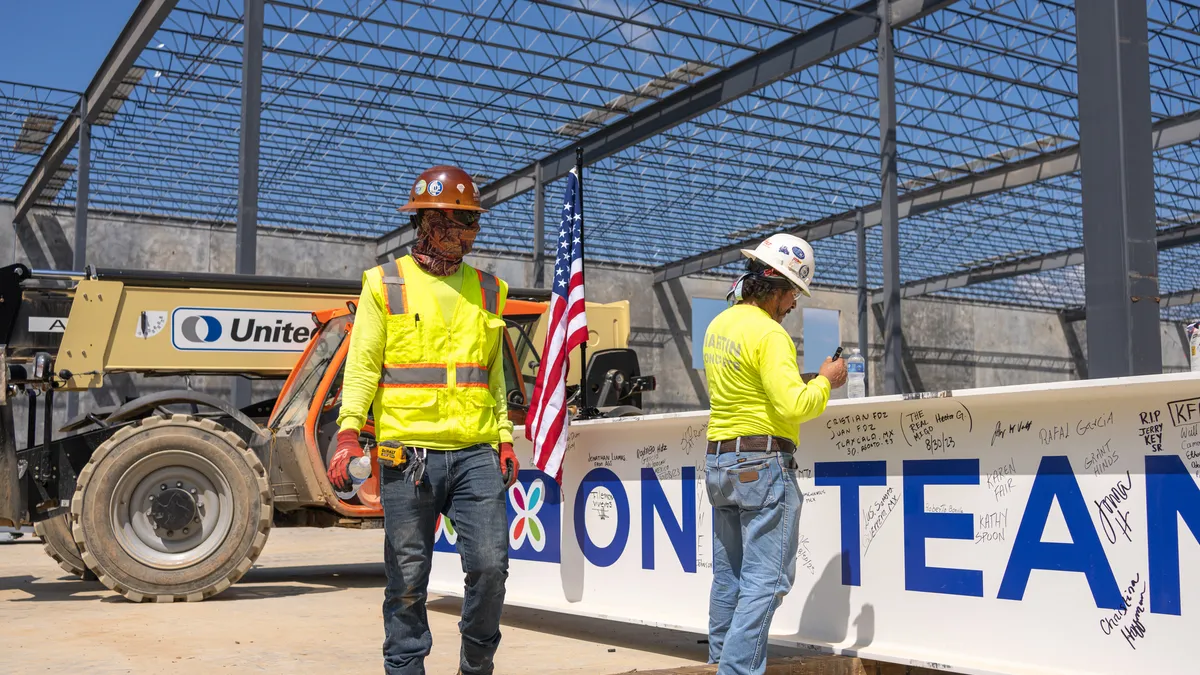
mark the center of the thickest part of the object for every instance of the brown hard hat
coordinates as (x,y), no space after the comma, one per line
(443,187)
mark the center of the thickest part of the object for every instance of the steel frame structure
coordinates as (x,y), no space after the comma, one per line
(359,95)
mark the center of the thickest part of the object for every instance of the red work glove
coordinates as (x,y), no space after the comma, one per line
(509,466)
(339,467)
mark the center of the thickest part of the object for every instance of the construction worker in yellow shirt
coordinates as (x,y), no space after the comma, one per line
(758,402)
(425,359)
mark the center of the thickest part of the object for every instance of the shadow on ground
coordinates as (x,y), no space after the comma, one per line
(258,583)
(64,588)
(613,633)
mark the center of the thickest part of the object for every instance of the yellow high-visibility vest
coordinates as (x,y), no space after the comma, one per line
(432,378)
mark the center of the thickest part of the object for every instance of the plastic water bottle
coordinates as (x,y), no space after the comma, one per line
(360,470)
(856,375)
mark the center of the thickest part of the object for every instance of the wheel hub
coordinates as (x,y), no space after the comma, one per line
(173,509)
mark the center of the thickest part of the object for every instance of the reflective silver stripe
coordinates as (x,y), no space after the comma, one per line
(471,375)
(428,376)
(491,291)
(393,285)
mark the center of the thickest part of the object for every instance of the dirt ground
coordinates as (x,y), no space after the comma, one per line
(311,604)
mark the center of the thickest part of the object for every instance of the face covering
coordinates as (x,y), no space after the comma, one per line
(442,242)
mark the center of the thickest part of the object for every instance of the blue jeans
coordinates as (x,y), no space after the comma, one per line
(466,486)
(757,503)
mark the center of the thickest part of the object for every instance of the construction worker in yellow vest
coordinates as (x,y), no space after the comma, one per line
(426,360)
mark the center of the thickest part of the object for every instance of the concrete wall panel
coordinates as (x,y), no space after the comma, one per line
(950,345)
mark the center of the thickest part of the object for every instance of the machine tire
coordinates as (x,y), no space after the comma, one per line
(60,545)
(126,547)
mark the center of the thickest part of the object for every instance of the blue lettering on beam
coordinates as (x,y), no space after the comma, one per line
(1170,490)
(1055,480)
(920,525)
(597,478)
(849,476)
(682,534)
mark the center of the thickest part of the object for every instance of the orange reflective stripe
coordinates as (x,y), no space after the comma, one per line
(470,375)
(490,288)
(413,375)
(395,294)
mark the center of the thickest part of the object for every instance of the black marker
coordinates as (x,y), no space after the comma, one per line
(837,354)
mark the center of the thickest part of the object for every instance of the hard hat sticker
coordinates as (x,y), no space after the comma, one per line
(461,188)
(783,250)
(435,188)
(420,188)
(798,252)
(804,272)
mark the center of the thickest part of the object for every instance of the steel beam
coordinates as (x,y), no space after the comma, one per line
(852,28)
(1167,133)
(147,18)
(246,251)
(1174,237)
(1117,156)
(1180,298)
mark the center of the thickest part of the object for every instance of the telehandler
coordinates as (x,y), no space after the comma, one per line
(162,504)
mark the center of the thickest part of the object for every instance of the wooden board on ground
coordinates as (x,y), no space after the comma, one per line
(807,665)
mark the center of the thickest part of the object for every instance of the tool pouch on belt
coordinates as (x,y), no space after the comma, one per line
(392,453)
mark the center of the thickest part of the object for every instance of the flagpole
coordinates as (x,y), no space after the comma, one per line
(584,412)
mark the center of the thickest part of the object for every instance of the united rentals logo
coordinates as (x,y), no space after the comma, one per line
(240,330)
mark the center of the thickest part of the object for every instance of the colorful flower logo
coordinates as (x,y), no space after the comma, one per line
(445,529)
(526,525)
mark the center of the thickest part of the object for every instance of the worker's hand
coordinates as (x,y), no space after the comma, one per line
(509,466)
(834,371)
(339,467)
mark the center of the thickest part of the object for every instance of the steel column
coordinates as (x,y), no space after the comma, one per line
(863,297)
(893,382)
(248,149)
(1118,189)
(82,180)
(539,229)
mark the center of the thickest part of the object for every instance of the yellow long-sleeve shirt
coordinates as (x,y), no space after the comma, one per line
(754,383)
(364,362)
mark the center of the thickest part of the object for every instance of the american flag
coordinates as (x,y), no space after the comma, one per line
(546,424)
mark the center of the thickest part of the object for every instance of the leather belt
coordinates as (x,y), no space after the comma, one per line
(752,444)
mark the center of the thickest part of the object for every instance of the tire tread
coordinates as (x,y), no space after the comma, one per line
(263,526)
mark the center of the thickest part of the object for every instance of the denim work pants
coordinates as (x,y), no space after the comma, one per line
(467,487)
(757,512)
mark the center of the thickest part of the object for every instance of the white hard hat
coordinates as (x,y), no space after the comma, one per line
(789,255)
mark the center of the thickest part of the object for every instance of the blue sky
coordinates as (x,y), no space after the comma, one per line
(58,43)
